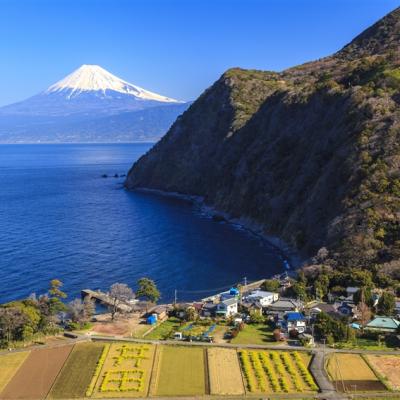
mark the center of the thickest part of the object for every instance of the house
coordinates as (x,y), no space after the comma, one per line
(209,308)
(282,306)
(383,324)
(294,321)
(315,309)
(161,311)
(251,307)
(397,308)
(227,307)
(351,291)
(263,297)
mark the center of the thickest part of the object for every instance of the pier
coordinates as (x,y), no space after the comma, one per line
(104,299)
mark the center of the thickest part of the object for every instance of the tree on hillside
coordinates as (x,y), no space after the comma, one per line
(386,304)
(89,308)
(148,289)
(271,285)
(55,297)
(120,293)
(75,310)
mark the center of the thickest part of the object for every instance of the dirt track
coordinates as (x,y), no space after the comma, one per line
(37,374)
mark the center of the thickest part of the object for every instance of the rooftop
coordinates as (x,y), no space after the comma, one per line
(383,322)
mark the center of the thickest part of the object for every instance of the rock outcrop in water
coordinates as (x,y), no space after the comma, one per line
(311,153)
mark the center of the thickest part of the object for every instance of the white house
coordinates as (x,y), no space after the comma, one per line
(294,320)
(227,307)
(264,298)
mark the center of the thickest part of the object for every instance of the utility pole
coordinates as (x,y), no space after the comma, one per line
(175,296)
(245,280)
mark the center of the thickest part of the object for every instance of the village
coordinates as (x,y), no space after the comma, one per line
(251,314)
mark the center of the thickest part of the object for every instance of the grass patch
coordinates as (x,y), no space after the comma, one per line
(364,344)
(77,372)
(9,364)
(181,371)
(164,330)
(254,334)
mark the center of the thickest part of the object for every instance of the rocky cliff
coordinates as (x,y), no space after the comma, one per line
(311,153)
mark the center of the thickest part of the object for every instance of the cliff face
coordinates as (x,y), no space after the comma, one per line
(311,153)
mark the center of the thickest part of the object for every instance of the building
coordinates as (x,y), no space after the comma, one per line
(208,310)
(315,309)
(282,306)
(383,324)
(351,291)
(227,307)
(252,307)
(347,309)
(263,297)
(294,321)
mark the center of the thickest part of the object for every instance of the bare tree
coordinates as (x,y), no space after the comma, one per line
(89,308)
(75,310)
(120,293)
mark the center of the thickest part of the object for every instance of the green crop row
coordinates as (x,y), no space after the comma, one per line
(99,366)
(305,373)
(269,371)
(258,370)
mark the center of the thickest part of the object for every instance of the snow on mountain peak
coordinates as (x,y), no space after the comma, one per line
(95,78)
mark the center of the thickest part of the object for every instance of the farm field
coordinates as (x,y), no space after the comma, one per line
(350,372)
(9,365)
(388,367)
(254,334)
(276,372)
(35,377)
(181,371)
(125,371)
(74,378)
(224,372)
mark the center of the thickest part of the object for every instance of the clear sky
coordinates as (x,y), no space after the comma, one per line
(174,47)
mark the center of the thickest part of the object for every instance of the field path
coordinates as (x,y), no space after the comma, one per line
(37,374)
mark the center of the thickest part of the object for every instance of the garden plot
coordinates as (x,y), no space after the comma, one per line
(224,372)
(9,364)
(37,374)
(77,372)
(388,367)
(276,372)
(123,370)
(350,372)
(181,371)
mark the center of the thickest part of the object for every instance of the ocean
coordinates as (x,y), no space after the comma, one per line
(59,218)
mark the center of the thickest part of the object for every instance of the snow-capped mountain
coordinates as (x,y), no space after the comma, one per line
(93,78)
(89,90)
(86,105)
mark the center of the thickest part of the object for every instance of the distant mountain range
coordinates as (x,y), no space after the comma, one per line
(89,105)
(310,154)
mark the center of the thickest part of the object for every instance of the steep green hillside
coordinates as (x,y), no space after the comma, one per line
(311,153)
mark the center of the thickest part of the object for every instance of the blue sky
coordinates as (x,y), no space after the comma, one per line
(174,47)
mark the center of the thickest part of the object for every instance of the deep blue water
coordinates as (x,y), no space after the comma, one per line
(60,219)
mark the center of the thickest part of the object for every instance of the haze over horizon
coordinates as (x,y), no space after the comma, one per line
(135,40)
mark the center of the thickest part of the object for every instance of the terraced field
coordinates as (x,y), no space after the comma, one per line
(129,370)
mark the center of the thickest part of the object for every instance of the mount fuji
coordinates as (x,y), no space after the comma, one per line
(89,105)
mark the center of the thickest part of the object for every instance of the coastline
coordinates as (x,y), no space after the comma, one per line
(287,253)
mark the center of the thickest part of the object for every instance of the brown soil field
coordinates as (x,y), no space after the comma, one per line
(359,386)
(388,367)
(224,372)
(126,327)
(37,374)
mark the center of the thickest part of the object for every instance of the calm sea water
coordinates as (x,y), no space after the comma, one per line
(60,219)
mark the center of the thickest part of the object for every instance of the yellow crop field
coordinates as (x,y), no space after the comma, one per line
(181,371)
(276,372)
(9,364)
(224,372)
(349,367)
(125,371)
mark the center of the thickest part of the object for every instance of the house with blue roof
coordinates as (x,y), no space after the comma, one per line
(383,324)
(294,321)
